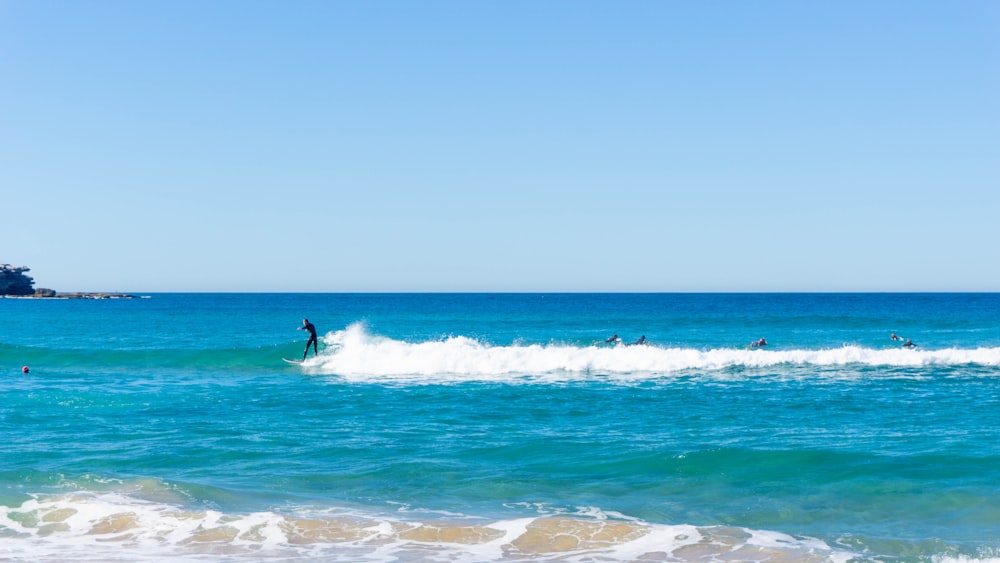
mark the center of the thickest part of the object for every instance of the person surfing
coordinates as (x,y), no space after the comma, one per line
(311,329)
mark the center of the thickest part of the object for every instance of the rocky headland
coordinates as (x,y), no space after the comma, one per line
(15,283)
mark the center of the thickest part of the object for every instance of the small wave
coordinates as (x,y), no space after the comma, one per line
(104,526)
(354,353)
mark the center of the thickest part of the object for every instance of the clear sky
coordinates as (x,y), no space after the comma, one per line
(501,145)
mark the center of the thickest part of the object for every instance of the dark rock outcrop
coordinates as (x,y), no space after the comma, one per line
(13,281)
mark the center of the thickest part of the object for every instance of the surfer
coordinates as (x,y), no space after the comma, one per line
(641,341)
(893,336)
(614,338)
(909,344)
(758,343)
(308,326)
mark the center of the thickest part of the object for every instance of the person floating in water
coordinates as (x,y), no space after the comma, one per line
(909,344)
(641,341)
(308,326)
(893,336)
(758,343)
(613,339)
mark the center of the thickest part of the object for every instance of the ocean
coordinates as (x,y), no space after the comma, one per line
(501,427)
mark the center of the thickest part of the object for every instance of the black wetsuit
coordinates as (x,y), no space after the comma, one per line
(312,340)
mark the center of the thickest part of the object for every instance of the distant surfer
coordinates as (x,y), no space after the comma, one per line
(758,343)
(641,341)
(909,344)
(614,338)
(894,337)
(308,326)
(25,370)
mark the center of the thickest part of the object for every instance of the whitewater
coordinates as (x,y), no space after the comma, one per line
(356,353)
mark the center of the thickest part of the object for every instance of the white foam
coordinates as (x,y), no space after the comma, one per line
(100,526)
(353,353)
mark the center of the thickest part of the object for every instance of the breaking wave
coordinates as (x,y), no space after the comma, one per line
(355,353)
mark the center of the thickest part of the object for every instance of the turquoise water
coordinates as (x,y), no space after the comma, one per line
(437,427)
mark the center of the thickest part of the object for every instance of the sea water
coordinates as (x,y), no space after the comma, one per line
(501,427)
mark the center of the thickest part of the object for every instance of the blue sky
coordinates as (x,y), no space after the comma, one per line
(501,146)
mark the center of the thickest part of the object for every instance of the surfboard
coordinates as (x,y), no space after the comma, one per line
(293,361)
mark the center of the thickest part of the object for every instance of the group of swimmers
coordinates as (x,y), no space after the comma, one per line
(908,344)
(615,340)
(760,343)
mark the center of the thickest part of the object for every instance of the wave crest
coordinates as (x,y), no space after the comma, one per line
(355,353)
